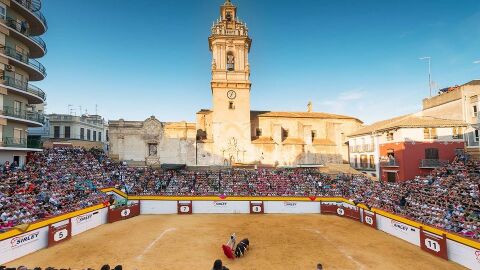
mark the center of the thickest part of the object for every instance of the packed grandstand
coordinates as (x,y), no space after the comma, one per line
(62,180)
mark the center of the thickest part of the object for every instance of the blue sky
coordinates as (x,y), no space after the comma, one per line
(145,57)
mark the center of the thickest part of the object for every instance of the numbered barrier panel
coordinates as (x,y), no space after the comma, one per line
(256,207)
(121,213)
(341,209)
(184,207)
(59,232)
(369,218)
(434,244)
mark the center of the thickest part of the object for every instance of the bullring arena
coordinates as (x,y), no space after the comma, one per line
(279,241)
(285,233)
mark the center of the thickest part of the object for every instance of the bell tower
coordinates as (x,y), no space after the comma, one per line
(230,44)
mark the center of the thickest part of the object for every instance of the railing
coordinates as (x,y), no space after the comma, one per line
(14,142)
(23,28)
(390,163)
(34,143)
(27,115)
(34,6)
(22,57)
(23,85)
(432,163)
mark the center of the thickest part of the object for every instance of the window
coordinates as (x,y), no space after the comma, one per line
(457,133)
(231,106)
(390,136)
(430,133)
(82,134)
(372,162)
(17,108)
(99,136)
(363,161)
(314,135)
(3,11)
(474,111)
(107,136)
(431,153)
(56,132)
(258,132)
(230,61)
(94,135)
(67,132)
(88,134)
(284,134)
(476,135)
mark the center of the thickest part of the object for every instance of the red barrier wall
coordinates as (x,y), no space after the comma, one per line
(256,207)
(59,232)
(184,207)
(433,244)
(369,218)
(122,213)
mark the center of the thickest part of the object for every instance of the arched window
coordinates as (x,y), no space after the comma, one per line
(230,61)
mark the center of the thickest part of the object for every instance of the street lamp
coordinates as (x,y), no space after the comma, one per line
(428,58)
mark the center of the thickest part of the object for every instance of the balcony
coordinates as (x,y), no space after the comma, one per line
(35,95)
(35,118)
(432,163)
(30,10)
(21,31)
(14,142)
(390,163)
(35,69)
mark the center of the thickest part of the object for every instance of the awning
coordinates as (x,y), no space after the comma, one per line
(167,166)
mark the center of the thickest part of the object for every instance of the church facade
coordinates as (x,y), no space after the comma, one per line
(230,132)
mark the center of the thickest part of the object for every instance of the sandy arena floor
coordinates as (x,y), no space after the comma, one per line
(287,242)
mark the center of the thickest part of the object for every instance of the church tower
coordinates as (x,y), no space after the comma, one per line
(230,44)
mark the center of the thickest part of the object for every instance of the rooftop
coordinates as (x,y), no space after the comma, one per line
(407,121)
(318,115)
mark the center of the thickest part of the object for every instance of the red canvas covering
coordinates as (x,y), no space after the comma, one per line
(228,252)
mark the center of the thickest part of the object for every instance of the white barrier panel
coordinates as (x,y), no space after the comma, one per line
(89,220)
(221,207)
(23,244)
(464,255)
(399,229)
(148,207)
(287,207)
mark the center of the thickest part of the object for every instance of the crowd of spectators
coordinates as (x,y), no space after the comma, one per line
(61,180)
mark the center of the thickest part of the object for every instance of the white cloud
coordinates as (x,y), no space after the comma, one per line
(476,62)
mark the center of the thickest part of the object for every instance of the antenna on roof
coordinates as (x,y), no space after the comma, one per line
(429,59)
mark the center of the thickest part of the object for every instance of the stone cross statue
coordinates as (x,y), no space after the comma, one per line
(309,106)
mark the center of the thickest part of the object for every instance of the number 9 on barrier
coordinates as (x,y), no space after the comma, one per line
(59,232)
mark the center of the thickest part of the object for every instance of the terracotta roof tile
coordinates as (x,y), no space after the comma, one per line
(320,115)
(407,121)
